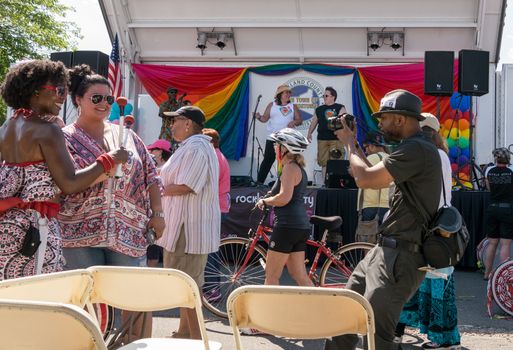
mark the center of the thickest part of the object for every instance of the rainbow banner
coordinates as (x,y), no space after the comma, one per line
(223,94)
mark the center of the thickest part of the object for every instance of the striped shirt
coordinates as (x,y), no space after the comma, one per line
(195,165)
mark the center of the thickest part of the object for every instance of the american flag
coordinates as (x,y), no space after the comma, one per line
(115,69)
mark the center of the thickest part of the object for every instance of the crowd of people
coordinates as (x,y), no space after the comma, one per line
(60,191)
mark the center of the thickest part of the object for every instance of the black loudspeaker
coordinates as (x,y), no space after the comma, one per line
(473,72)
(438,73)
(98,61)
(64,57)
(337,175)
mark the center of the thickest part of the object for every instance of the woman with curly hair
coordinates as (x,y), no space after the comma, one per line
(35,167)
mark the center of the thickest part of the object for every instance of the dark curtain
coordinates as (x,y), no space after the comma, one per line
(471,204)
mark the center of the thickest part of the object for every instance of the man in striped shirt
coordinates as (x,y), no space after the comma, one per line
(191,205)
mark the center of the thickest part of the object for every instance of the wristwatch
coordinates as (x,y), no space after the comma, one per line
(158,214)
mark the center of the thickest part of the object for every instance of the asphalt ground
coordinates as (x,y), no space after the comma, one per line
(478,330)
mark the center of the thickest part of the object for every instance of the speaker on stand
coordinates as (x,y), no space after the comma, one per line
(473,76)
(438,75)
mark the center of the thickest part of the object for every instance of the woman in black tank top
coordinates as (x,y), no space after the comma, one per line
(291,226)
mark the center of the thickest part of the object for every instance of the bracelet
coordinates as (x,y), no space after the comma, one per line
(106,161)
(157,214)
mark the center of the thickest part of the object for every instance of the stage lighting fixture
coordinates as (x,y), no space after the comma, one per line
(221,40)
(374,41)
(202,41)
(396,41)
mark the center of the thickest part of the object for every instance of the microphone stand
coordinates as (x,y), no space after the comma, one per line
(252,128)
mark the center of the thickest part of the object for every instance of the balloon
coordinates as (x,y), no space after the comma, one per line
(465,152)
(454,167)
(463,142)
(455,100)
(465,104)
(463,176)
(454,134)
(451,143)
(448,123)
(464,124)
(465,133)
(445,133)
(462,160)
(454,152)
(465,169)
(114,112)
(467,184)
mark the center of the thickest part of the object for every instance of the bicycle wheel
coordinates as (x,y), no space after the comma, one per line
(336,273)
(501,284)
(221,270)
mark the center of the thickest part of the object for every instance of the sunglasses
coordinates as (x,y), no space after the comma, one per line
(97,98)
(326,96)
(60,90)
(174,119)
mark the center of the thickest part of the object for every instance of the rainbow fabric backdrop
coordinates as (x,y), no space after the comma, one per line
(223,94)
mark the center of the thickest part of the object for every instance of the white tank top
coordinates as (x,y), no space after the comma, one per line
(280,117)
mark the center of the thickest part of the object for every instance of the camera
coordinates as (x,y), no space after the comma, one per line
(151,236)
(335,123)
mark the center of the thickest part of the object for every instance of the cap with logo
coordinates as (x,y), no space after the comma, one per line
(190,112)
(430,121)
(401,102)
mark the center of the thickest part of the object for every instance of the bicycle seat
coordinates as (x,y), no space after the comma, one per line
(329,223)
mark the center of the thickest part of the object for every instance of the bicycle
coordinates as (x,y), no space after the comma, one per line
(241,261)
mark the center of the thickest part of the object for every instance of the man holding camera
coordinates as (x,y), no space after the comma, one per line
(326,139)
(389,275)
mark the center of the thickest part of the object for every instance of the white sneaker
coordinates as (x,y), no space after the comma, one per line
(250,331)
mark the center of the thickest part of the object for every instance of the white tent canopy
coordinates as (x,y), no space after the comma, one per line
(330,31)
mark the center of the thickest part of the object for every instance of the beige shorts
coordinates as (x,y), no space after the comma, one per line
(323,150)
(191,264)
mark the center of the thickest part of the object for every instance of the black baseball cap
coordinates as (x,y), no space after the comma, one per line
(400,102)
(172,89)
(190,112)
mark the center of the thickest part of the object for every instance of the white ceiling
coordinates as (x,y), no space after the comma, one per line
(279,31)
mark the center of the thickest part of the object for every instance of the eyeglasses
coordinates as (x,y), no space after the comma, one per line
(60,90)
(97,98)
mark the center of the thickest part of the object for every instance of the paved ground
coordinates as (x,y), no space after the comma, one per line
(478,330)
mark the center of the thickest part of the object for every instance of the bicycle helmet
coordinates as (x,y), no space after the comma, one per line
(502,155)
(291,139)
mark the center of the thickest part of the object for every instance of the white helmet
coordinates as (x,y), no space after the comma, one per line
(292,139)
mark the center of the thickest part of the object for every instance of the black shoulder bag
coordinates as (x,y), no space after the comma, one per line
(445,236)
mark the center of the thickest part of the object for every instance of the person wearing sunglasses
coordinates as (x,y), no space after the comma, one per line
(279,114)
(107,223)
(326,138)
(35,166)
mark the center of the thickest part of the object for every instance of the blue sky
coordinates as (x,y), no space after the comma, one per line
(95,35)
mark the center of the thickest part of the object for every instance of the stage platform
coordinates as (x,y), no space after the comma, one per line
(342,202)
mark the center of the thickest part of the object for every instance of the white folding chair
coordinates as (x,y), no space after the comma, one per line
(47,326)
(150,289)
(300,312)
(70,287)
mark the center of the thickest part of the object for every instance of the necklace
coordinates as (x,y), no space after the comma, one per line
(29,113)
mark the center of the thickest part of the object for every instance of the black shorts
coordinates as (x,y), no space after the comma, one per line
(289,240)
(154,252)
(500,222)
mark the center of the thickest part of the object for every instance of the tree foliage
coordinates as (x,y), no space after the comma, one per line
(32,29)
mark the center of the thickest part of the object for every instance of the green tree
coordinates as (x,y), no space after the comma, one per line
(32,29)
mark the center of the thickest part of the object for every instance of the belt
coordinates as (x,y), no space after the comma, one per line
(389,242)
(501,205)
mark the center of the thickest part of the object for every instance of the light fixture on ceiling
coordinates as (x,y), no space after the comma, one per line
(221,40)
(396,41)
(217,38)
(376,40)
(202,41)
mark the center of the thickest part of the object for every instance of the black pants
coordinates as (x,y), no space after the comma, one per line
(267,162)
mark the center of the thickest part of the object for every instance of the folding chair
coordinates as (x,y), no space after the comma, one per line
(150,289)
(47,326)
(300,312)
(69,287)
